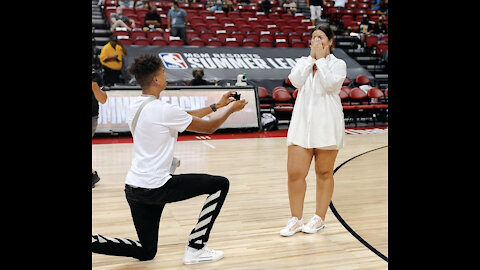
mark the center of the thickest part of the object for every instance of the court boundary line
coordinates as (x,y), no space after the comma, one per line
(344,223)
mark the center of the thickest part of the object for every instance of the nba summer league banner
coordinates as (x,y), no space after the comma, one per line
(225,63)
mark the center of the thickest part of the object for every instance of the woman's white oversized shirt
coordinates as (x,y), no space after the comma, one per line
(317,119)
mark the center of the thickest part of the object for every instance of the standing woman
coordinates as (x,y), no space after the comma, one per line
(316,129)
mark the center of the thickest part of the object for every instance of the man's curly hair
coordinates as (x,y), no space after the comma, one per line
(144,68)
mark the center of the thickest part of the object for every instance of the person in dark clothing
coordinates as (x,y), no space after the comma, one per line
(98,95)
(266,6)
(152,20)
(198,78)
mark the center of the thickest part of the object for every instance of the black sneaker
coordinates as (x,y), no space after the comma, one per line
(95,178)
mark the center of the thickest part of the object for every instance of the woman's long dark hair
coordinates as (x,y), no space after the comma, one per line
(325,28)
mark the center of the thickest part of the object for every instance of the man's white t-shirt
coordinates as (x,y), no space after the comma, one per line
(154,141)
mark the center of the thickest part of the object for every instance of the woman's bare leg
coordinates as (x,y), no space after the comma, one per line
(324,163)
(298,164)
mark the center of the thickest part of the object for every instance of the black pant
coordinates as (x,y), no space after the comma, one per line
(111,76)
(146,206)
(180,32)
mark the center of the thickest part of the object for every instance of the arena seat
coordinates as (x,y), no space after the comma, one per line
(175,42)
(232,42)
(158,41)
(215,42)
(265,43)
(141,40)
(137,32)
(248,42)
(362,80)
(196,41)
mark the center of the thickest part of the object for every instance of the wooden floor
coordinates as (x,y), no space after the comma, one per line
(256,208)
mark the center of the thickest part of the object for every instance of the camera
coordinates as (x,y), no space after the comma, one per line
(236,96)
(241,80)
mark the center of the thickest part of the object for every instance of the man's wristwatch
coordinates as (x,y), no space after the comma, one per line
(214,108)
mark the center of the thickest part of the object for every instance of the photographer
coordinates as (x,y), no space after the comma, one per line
(198,74)
(98,95)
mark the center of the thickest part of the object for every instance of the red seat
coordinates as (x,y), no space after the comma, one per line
(137,32)
(222,35)
(199,26)
(381,48)
(347,81)
(281,43)
(346,89)
(154,33)
(232,42)
(214,26)
(248,42)
(175,42)
(141,40)
(206,34)
(362,80)
(264,98)
(297,43)
(233,14)
(357,96)
(237,34)
(371,40)
(196,41)
(265,43)
(197,6)
(282,100)
(158,41)
(195,20)
(125,40)
(252,35)
(215,42)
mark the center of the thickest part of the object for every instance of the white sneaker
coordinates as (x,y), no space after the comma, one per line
(314,225)
(202,255)
(294,225)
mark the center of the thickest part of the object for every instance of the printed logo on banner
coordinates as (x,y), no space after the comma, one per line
(173,61)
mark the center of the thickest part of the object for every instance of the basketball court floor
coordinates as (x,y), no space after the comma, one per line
(257,206)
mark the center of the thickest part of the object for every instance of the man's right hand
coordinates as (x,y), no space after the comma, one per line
(238,105)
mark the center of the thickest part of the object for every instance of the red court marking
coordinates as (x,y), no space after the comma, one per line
(219,136)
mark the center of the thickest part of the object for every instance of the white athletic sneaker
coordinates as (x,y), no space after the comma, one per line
(202,255)
(314,225)
(294,225)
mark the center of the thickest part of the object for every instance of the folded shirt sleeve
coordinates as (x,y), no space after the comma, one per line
(300,72)
(331,78)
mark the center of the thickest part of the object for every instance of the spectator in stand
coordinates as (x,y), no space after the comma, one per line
(198,78)
(126,3)
(111,60)
(244,2)
(316,7)
(214,5)
(380,29)
(290,7)
(177,22)
(119,20)
(142,4)
(152,20)
(365,28)
(340,3)
(227,6)
(383,8)
(266,6)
